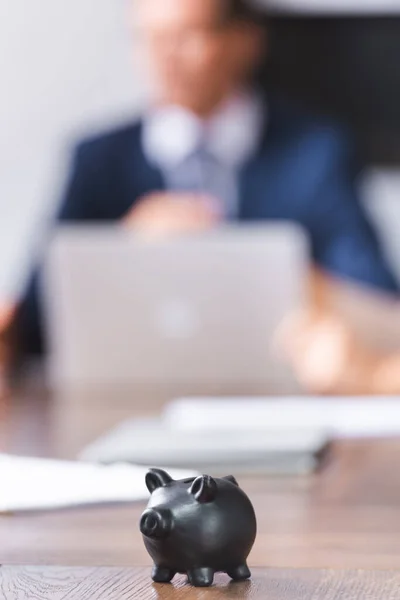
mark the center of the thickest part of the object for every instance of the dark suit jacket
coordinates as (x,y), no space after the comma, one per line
(304,172)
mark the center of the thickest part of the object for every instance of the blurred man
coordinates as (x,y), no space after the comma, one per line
(212,148)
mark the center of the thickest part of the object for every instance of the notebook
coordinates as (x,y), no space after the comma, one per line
(209,450)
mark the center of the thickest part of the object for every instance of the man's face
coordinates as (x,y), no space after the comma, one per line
(197,57)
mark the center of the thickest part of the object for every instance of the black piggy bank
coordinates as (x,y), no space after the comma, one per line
(197,527)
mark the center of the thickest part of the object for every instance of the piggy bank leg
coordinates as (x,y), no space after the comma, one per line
(203,577)
(162,575)
(240,573)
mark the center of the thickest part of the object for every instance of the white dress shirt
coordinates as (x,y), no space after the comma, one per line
(205,155)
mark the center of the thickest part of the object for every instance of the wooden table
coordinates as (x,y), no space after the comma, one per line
(335,536)
(107,583)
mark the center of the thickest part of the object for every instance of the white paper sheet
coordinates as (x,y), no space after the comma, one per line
(340,417)
(34,484)
(362,7)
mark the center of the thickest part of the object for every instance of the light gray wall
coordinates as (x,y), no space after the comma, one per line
(65,68)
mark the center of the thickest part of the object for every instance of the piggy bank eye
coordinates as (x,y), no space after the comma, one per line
(204,489)
(156,478)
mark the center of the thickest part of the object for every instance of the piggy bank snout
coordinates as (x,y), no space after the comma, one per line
(156,523)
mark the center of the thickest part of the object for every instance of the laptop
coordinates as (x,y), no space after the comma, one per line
(191,310)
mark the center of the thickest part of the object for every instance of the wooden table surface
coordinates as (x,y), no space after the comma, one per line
(332,536)
(105,583)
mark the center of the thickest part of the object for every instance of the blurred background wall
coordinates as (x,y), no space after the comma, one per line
(69,68)
(66,69)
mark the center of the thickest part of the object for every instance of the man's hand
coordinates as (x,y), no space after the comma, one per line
(321,346)
(326,356)
(7,313)
(173,213)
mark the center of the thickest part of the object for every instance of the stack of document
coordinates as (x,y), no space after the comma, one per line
(210,435)
(247,435)
(210,450)
(213,450)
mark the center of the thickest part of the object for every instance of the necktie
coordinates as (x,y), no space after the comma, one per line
(203,173)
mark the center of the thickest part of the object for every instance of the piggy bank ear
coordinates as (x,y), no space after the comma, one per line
(204,489)
(231,479)
(157,478)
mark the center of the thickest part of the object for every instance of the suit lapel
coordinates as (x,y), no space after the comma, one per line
(141,176)
(258,177)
